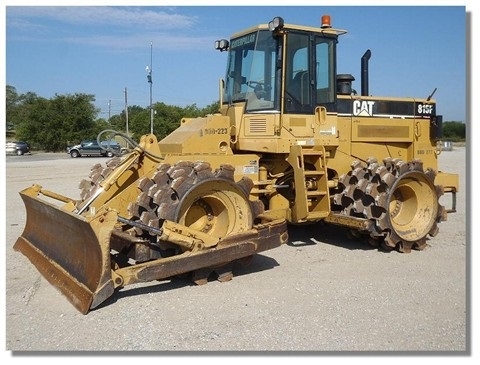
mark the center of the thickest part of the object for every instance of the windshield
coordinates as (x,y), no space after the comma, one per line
(251,72)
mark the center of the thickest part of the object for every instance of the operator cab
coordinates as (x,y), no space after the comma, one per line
(282,68)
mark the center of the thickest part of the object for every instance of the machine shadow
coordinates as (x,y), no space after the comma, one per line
(324,233)
(255,263)
(299,236)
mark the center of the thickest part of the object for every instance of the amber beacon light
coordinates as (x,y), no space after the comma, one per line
(326,21)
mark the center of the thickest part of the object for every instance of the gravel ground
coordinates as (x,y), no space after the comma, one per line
(319,294)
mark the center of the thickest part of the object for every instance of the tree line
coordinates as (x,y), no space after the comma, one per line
(454,131)
(52,124)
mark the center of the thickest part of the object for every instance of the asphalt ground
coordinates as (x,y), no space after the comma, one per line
(321,294)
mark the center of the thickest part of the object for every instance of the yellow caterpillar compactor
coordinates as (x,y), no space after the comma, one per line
(292,143)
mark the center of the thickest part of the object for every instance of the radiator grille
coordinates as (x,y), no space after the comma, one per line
(258,126)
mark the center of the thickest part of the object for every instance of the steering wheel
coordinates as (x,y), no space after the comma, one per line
(255,84)
(258,87)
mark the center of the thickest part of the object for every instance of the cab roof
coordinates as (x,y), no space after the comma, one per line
(327,31)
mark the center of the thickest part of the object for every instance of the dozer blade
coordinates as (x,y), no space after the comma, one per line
(70,251)
(73,252)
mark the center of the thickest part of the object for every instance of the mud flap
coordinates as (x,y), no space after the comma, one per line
(70,251)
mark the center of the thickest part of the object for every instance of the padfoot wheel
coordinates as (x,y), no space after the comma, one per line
(98,173)
(191,194)
(400,198)
(195,196)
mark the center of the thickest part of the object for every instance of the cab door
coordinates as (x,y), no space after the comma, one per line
(309,82)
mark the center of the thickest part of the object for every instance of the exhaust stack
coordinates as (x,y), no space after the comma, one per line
(366,56)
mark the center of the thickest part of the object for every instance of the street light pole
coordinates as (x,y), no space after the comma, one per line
(149,79)
(126,111)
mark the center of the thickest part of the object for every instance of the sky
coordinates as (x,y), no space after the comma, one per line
(104,51)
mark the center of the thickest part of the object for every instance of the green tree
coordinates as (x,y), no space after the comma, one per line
(168,117)
(52,124)
(211,108)
(11,104)
(118,122)
(456,131)
(11,109)
(17,107)
(139,124)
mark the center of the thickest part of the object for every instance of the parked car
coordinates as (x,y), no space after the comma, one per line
(18,148)
(92,148)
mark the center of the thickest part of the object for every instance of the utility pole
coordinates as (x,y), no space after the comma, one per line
(126,112)
(149,79)
(109,109)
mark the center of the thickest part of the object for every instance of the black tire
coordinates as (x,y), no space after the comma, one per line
(19,152)
(109,154)
(74,154)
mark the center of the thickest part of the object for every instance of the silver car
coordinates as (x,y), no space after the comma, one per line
(18,148)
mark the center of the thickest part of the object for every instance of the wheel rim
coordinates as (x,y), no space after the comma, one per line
(216,207)
(408,220)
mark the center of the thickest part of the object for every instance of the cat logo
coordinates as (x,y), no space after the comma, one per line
(363,108)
